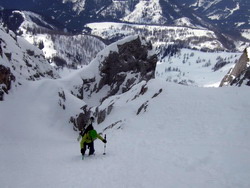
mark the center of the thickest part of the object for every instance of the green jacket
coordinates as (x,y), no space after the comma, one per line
(87,139)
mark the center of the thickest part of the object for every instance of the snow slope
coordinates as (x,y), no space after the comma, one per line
(160,36)
(186,137)
(24,60)
(192,67)
(146,12)
(76,50)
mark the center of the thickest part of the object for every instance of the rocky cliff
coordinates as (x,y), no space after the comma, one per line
(19,61)
(115,70)
(6,78)
(240,74)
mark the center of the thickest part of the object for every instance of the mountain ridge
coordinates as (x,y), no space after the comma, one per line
(60,50)
(159,134)
(92,11)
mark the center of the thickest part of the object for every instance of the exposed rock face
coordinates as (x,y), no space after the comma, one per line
(121,69)
(132,57)
(6,77)
(240,74)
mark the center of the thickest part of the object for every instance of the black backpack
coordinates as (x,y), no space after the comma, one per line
(87,129)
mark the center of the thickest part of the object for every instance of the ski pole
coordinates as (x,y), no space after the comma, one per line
(104,153)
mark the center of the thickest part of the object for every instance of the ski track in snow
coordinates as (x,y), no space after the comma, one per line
(188,137)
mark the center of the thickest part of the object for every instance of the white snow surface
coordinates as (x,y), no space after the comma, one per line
(163,35)
(246,33)
(183,137)
(187,137)
(195,67)
(184,21)
(22,54)
(146,12)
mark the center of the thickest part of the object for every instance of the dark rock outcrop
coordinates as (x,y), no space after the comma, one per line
(239,74)
(117,73)
(6,78)
(124,68)
(131,57)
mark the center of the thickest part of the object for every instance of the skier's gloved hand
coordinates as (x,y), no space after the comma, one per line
(104,141)
(82,151)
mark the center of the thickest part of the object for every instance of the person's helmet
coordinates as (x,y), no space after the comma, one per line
(93,134)
(92,119)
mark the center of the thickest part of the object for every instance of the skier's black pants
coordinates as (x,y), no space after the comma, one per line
(90,146)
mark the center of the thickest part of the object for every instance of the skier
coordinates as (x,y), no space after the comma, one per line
(88,136)
(88,141)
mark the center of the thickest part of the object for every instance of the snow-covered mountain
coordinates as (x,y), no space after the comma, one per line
(74,13)
(226,13)
(186,39)
(192,67)
(21,61)
(70,13)
(162,36)
(159,134)
(59,46)
(230,16)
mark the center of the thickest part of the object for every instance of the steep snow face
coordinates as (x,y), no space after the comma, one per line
(77,50)
(73,50)
(25,60)
(184,137)
(159,134)
(191,67)
(20,61)
(146,12)
(29,18)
